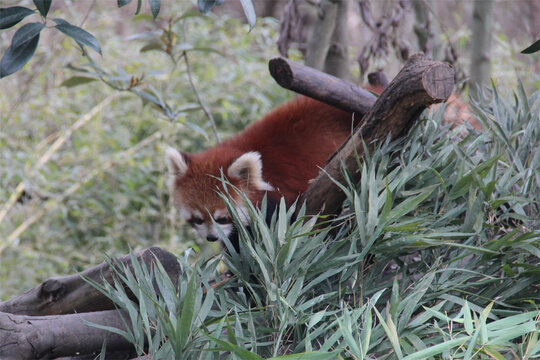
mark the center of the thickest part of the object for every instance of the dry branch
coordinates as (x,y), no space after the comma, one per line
(318,85)
(70,294)
(420,83)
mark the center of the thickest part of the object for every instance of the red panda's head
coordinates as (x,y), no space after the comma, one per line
(194,184)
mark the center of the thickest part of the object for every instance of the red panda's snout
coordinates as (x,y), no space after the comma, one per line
(195,186)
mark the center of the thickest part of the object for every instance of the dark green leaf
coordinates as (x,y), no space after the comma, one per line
(26,33)
(152,46)
(249,10)
(16,57)
(43,6)
(77,80)
(205,5)
(533,48)
(155,5)
(188,312)
(12,15)
(139,4)
(123,3)
(82,37)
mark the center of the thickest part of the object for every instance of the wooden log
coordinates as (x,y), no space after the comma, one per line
(56,336)
(320,86)
(70,294)
(420,83)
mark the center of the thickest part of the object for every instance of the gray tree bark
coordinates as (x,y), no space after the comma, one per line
(482,22)
(337,58)
(321,36)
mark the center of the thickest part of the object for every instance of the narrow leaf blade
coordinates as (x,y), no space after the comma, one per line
(81,36)
(43,6)
(16,58)
(249,10)
(13,15)
(155,5)
(533,48)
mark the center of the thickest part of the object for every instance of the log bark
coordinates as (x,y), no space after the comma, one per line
(70,294)
(419,84)
(50,337)
(320,86)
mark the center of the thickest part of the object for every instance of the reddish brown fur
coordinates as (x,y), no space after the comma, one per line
(294,141)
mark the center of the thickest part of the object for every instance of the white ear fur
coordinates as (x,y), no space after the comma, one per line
(175,161)
(248,167)
(176,164)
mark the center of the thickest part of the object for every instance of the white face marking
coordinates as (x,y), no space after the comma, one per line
(208,228)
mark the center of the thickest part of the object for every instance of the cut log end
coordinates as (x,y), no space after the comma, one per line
(438,81)
(281,71)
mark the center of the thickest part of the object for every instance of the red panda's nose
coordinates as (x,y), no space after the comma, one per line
(211,238)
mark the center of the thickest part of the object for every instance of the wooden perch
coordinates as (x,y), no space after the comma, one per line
(70,294)
(420,83)
(320,86)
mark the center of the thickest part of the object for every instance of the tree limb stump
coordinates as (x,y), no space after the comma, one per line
(320,86)
(70,294)
(420,83)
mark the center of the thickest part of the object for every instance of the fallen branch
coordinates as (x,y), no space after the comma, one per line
(70,294)
(50,337)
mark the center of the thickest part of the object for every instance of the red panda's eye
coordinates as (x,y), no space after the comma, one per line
(195,221)
(222,220)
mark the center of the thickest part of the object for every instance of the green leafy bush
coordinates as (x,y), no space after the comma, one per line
(436,255)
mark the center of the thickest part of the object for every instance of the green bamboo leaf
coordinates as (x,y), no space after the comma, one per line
(43,6)
(467,318)
(313,355)
(183,328)
(152,46)
(77,80)
(237,350)
(437,349)
(16,57)
(13,15)
(155,5)
(249,10)
(139,5)
(411,203)
(81,36)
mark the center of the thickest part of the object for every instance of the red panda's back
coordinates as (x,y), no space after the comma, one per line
(294,141)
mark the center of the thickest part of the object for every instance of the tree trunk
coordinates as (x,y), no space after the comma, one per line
(323,29)
(482,21)
(420,83)
(337,58)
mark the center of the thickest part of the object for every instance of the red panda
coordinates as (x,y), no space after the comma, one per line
(277,155)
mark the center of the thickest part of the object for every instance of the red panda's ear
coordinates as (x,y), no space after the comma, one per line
(248,167)
(176,162)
